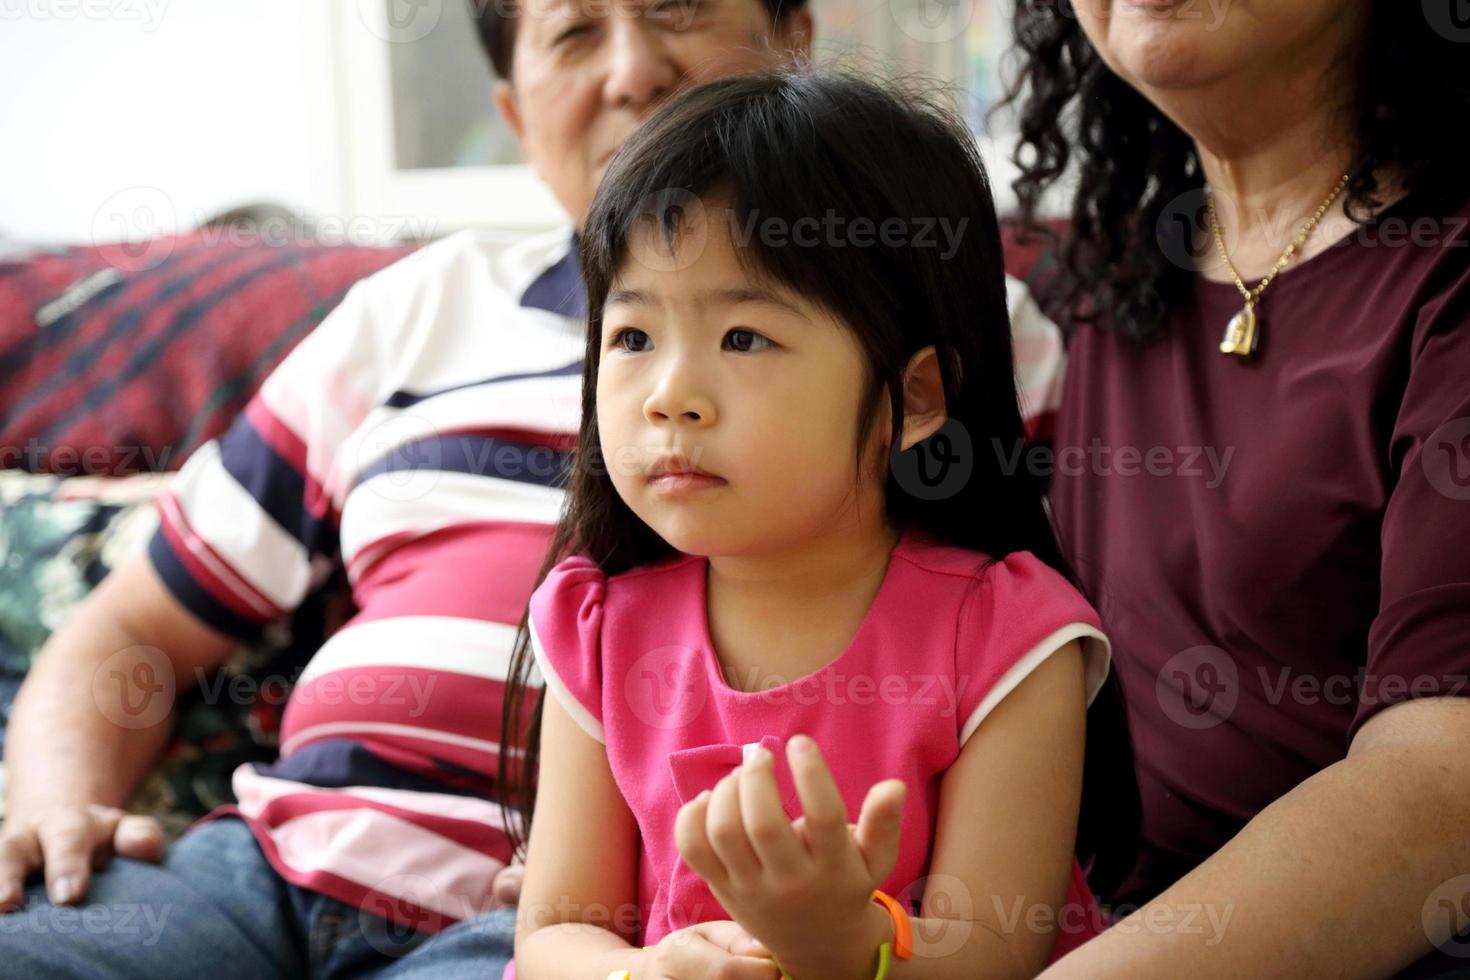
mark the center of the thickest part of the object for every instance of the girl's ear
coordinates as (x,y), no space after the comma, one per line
(923,398)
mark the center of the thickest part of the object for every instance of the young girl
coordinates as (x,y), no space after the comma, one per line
(800,579)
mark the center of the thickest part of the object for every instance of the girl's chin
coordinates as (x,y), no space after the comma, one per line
(695,531)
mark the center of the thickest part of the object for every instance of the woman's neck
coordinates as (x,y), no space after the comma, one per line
(1272,144)
(1267,188)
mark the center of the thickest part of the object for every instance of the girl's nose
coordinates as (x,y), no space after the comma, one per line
(680,400)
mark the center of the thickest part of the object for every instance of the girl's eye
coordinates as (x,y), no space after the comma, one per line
(738,340)
(624,334)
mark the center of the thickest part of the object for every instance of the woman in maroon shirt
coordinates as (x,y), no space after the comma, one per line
(1262,465)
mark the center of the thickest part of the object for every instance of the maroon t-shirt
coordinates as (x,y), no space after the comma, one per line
(1279,548)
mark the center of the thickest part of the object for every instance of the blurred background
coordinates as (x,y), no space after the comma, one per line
(372,118)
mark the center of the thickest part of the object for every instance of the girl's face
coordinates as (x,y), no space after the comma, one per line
(737,377)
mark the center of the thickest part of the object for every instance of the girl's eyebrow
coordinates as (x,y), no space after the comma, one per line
(735,296)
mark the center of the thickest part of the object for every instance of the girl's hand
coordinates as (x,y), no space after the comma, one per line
(707,949)
(803,888)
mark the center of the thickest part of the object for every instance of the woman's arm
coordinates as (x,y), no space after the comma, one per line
(1336,878)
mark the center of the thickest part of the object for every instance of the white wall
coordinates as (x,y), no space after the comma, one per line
(125,118)
(154,112)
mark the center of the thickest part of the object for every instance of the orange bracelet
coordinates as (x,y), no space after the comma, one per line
(903,930)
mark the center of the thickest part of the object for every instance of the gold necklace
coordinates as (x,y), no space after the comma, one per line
(1242,332)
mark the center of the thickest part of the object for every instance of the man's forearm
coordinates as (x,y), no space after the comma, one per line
(1331,879)
(90,719)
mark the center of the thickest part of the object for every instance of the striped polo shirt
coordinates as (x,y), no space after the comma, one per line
(419,438)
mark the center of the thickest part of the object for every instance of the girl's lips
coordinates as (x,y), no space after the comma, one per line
(677,482)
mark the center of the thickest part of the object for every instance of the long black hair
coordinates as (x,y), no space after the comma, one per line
(823,145)
(1408,92)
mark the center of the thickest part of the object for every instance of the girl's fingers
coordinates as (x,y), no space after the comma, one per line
(766,823)
(879,825)
(824,813)
(692,841)
(698,957)
(726,830)
(731,937)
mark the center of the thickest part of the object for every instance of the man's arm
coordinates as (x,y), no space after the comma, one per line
(91,718)
(1332,879)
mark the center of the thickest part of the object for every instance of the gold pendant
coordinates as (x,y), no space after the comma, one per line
(1240,333)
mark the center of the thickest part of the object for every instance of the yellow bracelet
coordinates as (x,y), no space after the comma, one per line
(885,956)
(623,974)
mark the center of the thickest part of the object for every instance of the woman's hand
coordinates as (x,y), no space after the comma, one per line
(802,887)
(707,949)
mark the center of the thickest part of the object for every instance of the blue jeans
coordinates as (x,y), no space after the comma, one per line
(216,909)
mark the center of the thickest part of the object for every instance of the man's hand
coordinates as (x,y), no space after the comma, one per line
(506,888)
(68,843)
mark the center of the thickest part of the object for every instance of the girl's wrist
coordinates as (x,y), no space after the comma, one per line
(637,962)
(853,956)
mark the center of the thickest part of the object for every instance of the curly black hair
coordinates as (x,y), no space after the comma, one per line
(1121,254)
